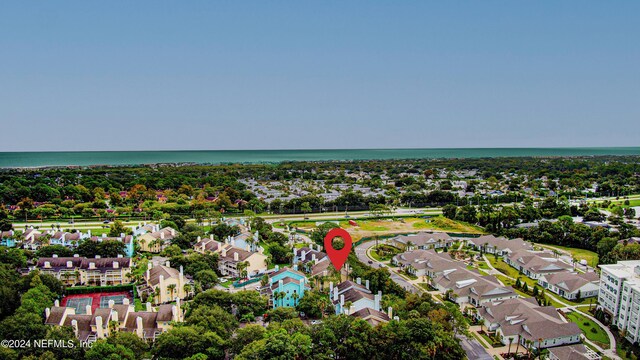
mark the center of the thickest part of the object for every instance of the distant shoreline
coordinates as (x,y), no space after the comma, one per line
(31,160)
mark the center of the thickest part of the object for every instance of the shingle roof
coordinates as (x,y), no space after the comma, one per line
(571,281)
(526,318)
(161,270)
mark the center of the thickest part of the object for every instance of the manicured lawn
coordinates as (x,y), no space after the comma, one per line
(504,268)
(425,286)
(384,252)
(226,284)
(493,342)
(475,334)
(590,329)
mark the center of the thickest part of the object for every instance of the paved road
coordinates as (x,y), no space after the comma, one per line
(474,349)
(361,253)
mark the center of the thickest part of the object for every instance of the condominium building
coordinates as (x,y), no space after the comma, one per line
(164,284)
(523,321)
(619,296)
(102,322)
(87,271)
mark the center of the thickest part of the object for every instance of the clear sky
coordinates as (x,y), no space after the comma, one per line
(147,75)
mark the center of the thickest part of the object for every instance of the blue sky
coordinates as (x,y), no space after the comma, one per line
(147,75)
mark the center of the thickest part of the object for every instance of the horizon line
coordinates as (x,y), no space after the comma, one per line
(326,149)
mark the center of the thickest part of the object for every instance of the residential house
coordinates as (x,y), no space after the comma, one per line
(572,352)
(571,285)
(102,322)
(422,241)
(499,245)
(164,283)
(67,239)
(465,286)
(311,261)
(33,239)
(536,264)
(157,241)
(127,240)
(523,321)
(8,238)
(144,228)
(425,262)
(373,317)
(285,287)
(233,261)
(349,297)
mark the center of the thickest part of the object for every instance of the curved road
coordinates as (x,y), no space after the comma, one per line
(361,253)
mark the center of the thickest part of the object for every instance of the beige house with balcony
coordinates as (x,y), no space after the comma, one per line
(164,283)
(156,241)
(87,271)
(100,323)
(231,257)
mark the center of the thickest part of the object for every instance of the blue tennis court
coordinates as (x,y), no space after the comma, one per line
(80,304)
(117,299)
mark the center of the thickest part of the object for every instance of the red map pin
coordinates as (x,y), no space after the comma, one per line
(337,257)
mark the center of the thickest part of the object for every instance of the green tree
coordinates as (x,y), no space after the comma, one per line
(245,336)
(278,345)
(185,341)
(206,278)
(130,341)
(101,350)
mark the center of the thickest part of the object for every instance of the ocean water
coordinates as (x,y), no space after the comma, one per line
(86,158)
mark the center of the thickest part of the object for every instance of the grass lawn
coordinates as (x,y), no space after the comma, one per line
(580,254)
(504,268)
(623,353)
(475,334)
(494,343)
(590,329)
(425,286)
(384,252)
(227,283)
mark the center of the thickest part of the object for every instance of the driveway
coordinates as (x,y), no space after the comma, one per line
(473,349)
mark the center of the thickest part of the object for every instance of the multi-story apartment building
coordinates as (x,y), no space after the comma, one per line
(619,296)
(87,271)
(164,283)
(102,322)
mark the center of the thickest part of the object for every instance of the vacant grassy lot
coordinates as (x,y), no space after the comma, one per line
(443,224)
(590,329)
(368,228)
(580,254)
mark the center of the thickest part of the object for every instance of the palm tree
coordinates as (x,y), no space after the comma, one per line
(528,344)
(172,288)
(518,345)
(510,342)
(323,303)
(347,307)
(187,289)
(242,268)
(295,298)
(156,294)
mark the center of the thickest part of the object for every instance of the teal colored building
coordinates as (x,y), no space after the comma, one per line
(286,287)
(7,238)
